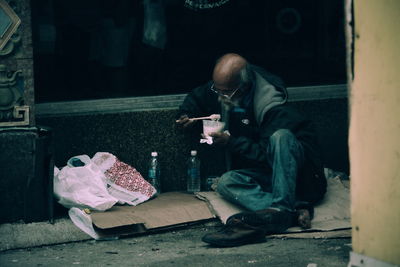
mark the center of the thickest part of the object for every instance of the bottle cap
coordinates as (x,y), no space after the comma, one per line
(154,154)
(193,153)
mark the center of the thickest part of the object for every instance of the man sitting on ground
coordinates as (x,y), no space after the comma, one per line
(275,161)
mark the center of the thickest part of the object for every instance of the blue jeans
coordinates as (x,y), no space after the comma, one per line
(270,187)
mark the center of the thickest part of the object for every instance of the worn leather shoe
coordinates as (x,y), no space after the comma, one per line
(235,234)
(270,220)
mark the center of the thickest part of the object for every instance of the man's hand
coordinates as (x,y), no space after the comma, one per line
(220,138)
(184,122)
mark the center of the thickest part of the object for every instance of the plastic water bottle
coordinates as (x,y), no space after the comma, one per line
(193,171)
(153,176)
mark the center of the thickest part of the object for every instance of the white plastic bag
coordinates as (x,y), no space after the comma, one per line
(123,181)
(82,186)
(83,221)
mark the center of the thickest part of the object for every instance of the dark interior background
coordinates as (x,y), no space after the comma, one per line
(94,49)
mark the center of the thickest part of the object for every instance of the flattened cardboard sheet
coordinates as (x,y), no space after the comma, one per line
(333,213)
(167,209)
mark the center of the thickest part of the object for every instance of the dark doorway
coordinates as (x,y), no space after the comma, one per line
(98,49)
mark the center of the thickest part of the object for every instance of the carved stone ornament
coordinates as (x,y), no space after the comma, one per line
(12,112)
(9,22)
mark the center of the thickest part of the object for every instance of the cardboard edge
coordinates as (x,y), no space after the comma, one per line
(338,233)
(140,229)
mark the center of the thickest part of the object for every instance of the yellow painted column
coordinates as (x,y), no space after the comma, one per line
(374,137)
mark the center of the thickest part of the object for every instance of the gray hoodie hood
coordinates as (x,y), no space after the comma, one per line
(266,95)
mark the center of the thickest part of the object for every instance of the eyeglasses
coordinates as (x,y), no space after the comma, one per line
(227,93)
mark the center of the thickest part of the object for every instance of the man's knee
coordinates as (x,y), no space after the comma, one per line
(284,141)
(284,135)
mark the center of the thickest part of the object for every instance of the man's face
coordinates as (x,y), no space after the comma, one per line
(228,94)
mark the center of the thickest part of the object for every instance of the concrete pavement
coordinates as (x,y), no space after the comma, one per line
(180,247)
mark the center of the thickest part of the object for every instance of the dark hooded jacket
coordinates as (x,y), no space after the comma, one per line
(262,111)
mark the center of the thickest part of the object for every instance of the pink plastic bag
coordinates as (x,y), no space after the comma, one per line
(124,182)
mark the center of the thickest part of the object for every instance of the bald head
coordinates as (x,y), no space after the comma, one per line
(226,73)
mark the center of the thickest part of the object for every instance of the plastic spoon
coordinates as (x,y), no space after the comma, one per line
(214,117)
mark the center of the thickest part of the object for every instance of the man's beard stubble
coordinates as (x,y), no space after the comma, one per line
(228,102)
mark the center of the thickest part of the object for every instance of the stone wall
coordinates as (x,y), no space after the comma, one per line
(25,156)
